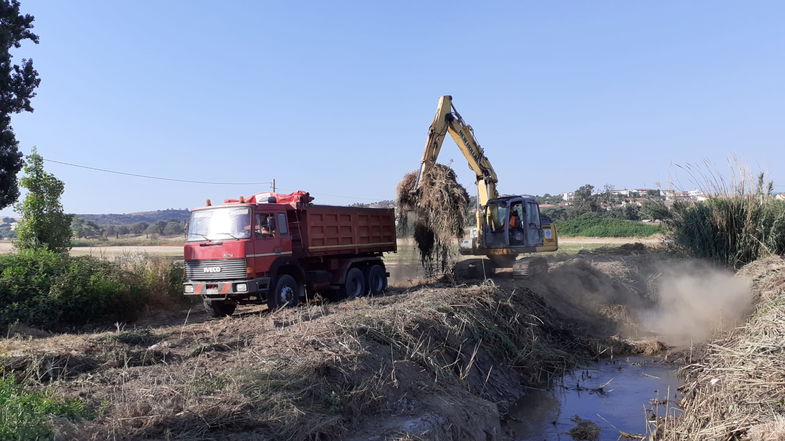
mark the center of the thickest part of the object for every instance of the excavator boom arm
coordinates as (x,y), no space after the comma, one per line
(448,120)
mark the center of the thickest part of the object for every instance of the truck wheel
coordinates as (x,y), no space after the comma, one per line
(219,308)
(377,279)
(286,293)
(355,284)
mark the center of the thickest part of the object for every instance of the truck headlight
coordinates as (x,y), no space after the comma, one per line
(189,289)
(241,287)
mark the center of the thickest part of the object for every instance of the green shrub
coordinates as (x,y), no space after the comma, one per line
(732,230)
(24,414)
(55,291)
(597,225)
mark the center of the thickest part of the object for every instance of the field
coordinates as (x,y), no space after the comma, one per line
(594,225)
(406,248)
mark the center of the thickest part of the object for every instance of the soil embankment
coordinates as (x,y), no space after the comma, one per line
(435,362)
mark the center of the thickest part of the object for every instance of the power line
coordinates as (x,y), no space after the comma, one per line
(154,177)
(136,175)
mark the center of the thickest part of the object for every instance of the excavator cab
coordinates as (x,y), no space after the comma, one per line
(512,222)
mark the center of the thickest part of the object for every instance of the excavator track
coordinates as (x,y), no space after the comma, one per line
(529,267)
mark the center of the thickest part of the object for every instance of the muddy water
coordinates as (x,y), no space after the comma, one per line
(617,395)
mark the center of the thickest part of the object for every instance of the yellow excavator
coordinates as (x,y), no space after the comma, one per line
(507,226)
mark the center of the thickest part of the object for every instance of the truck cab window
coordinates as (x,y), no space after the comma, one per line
(265,225)
(283,227)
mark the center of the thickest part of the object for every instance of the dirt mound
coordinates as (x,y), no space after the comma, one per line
(438,211)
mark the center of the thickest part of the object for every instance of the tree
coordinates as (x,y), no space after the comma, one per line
(43,225)
(84,228)
(17,88)
(173,228)
(110,230)
(655,210)
(139,227)
(631,212)
(584,200)
(153,230)
(122,230)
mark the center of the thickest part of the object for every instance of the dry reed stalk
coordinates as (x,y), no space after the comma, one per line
(439,208)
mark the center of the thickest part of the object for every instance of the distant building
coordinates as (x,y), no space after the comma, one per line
(570,195)
(625,192)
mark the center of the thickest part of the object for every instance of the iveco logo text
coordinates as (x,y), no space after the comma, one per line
(212,269)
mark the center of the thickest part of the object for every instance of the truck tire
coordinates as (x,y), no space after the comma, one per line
(219,308)
(377,279)
(355,285)
(285,294)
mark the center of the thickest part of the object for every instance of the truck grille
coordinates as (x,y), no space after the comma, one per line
(215,269)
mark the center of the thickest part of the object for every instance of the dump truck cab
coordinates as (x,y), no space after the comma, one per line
(232,249)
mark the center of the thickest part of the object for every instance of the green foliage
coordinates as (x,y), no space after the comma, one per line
(732,230)
(139,227)
(148,217)
(24,414)
(548,198)
(173,229)
(584,200)
(55,291)
(628,212)
(82,228)
(18,83)
(654,210)
(43,225)
(596,225)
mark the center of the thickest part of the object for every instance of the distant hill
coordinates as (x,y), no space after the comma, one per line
(379,204)
(170,214)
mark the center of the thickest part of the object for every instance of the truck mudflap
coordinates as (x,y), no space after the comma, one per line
(226,287)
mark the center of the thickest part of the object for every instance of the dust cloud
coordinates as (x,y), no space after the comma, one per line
(693,301)
(676,301)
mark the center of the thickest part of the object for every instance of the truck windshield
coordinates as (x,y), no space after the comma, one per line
(220,224)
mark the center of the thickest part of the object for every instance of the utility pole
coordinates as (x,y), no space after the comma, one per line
(273,185)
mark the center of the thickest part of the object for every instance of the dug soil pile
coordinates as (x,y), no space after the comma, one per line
(436,212)
(736,389)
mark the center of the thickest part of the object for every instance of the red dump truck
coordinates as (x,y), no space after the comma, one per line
(274,248)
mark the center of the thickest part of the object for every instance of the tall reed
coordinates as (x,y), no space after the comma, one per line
(740,221)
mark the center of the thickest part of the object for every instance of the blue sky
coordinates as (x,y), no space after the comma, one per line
(336,97)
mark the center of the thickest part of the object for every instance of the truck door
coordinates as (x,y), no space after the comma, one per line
(533,225)
(271,239)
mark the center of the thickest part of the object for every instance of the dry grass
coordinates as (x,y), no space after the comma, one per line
(737,390)
(317,372)
(439,209)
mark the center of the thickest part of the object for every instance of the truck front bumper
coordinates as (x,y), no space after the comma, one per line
(226,287)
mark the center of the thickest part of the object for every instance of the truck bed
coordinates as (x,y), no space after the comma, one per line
(324,230)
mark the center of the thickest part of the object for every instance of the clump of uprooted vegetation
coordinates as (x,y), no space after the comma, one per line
(55,292)
(740,222)
(735,391)
(439,209)
(438,361)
